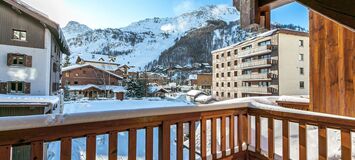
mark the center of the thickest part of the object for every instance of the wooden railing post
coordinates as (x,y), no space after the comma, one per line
(91,147)
(132,144)
(322,142)
(112,145)
(5,152)
(180,140)
(65,148)
(271,138)
(37,150)
(203,140)
(231,134)
(285,140)
(214,138)
(164,141)
(192,140)
(242,130)
(149,143)
(345,144)
(258,134)
(302,140)
(223,136)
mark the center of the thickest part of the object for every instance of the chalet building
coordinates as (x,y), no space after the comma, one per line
(31,48)
(87,80)
(155,78)
(204,82)
(104,62)
(272,63)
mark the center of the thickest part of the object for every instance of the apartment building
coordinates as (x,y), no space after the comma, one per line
(272,63)
(31,48)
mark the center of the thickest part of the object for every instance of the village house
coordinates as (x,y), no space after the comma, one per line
(272,63)
(31,48)
(204,82)
(156,78)
(89,81)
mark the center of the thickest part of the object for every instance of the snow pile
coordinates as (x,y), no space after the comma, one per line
(204,99)
(194,93)
(294,99)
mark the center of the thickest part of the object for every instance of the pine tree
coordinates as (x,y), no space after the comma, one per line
(135,88)
(66,61)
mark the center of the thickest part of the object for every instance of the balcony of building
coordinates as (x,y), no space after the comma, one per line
(258,90)
(257,77)
(259,63)
(258,50)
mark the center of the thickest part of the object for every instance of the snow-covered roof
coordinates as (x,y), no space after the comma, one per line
(192,77)
(100,58)
(194,93)
(99,87)
(154,89)
(19,99)
(293,99)
(76,66)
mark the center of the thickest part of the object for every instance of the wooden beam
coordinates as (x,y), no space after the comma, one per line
(285,140)
(91,147)
(302,140)
(192,151)
(132,144)
(37,150)
(112,146)
(322,142)
(5,152)
(346,144)
(271,138)
(65,148)
(180,141)
(149,143)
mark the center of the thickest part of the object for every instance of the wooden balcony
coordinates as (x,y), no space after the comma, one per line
(234,127)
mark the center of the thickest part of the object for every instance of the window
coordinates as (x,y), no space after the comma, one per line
(76,74)
(228,64)
(66,74)
(217,84)
(222,55)
(301,43)
(16,87)
(18,60)
(235,62)
(235,52)
(235,73)
(76,82)
(222,65)
(217,65)
(235,84)
(229,95)
(19,35)
(228,54)
(229,74)
(264,43)
(247,47)
(228,84)
(235,95)
(301,84)
(302,71)
(217,75)
(222,94)
(217,56)
(217,94)
(222,74)
(84,72)
(301,57)
(222,84)
(264,70)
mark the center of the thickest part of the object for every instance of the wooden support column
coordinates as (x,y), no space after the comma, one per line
(91,147)
(65,148)
(271,138)
(345,144)
(214,138)
(37,150)
(231,134)
(203,140)
(302,140)
(5,152)
(192,140)
(242,131)
(285,141)
(257,134)
(322,142)
(132,144)
(149,143)
(164,141)
(112,146)
(180,140)
(223,136)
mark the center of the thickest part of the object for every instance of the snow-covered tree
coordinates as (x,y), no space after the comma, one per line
(136,88)
(66,61)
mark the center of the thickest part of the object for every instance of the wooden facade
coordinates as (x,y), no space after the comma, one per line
(332,70)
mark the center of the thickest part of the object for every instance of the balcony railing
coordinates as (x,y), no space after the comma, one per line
(256,63)
(257,90)
(255,51)
(234,128)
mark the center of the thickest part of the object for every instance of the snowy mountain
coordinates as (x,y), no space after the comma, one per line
(144,41)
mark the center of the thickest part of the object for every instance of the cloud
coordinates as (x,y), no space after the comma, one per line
(184,6)
(56,10)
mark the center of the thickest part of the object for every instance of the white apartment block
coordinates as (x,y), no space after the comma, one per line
(272,63)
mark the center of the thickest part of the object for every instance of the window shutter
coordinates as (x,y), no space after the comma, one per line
(3,88)
(28,61)
(10,58)
(27,88)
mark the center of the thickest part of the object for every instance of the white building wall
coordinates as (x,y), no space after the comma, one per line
(38,75)
(289,65)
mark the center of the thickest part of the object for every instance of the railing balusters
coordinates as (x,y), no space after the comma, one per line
(91,147)
(180,140)
(164,141)
(149,143)
(242,130)
(345,144)
(192,141)
(302,140)
(37,150)
(223,136)
(257,134)
(5,152)
(231,134)
(65,148)
(322,142)
(285,140)
(203,140)
(112,145)
(132,144)
(271,138)
(214,137)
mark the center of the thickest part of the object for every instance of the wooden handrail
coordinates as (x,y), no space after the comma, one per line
(89,125)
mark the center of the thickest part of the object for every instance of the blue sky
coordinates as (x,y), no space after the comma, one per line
(120,13)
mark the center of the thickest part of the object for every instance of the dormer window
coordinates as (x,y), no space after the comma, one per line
(19,35)
(101,59)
